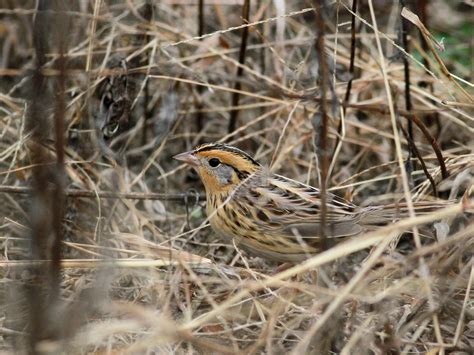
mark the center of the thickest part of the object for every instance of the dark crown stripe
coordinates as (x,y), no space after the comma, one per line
(226,148)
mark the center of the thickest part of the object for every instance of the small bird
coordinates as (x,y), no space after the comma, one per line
(272,216)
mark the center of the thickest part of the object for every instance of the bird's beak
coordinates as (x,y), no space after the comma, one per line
(188,158)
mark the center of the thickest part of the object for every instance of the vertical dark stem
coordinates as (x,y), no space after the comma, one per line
(201,18)
(422,9)
(406,67)
(200,89)
(352,58)
(420,158)
(243,47)
(262,58)
(36,124)
(58,200)
(414,118)
(323,131)
(351,69)
(146,112)
(147,13)
(48,197)
(262,50)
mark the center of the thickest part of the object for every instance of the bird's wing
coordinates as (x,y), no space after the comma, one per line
(292,209)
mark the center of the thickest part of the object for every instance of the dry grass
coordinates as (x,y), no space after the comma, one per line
(134,266)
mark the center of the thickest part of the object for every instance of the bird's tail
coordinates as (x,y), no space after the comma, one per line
(381,215)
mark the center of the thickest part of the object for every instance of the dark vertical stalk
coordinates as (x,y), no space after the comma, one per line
(146,12)
(58,200)
(243,47)
(351,68)
(323,131)
(146,112)
(262,50)
(36,123)
(414,148)
(263,64)
(408,104)
(201,18)
(200,89)
(422,10)
(48,195)
(406,68)
(352,58)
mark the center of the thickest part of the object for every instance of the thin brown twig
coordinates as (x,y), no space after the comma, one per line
(432,140)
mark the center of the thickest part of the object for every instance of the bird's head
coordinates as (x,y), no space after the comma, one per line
(221,167)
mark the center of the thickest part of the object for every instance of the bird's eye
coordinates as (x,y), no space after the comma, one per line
(214,162)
